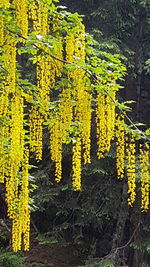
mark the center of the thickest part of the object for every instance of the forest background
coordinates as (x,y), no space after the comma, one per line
(97,220)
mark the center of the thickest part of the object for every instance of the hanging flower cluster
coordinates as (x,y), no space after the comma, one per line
(21,16)
(101,125)
(9,57)
(36,132)
(105,116)
(4,4)
(82,111)
(2,30)
(64,99)
(76,164)
(120,146)
(126,155)
(3,155)
(45,65)
(145,184)
(21,212)
(56,146)
(14,162)
(131,170)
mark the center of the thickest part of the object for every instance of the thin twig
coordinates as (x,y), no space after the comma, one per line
(35,45)
(124,246)
(127,117)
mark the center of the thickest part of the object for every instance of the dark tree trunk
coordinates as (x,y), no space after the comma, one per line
(118,238)
(135,254)
(133,80)
(133,91)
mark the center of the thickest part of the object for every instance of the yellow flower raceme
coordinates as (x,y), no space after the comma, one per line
(101,125)
(86,127)
(45,81)
(145,180)
(18,208)
(120,146)
(39,16)
(16,229)
(56,146)
(83,113)
(75,52)
(36,133)
(2,156)
(47,67)
(4,4)
(70,47)
(16,135)
(44,68)
(105,116)
(76,165)
(4,102)
(2,29)
(65,112)
(21,15)
(110,115)
(4,132)
(131,170)
(9,57)
(25,212)
(17,129)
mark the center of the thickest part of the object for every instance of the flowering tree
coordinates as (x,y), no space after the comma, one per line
(71,82)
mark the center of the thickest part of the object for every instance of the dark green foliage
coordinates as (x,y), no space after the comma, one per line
(9,259)
(34,264)
(85,219)
(4,237)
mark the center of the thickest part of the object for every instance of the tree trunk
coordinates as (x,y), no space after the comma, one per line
(135,254)
(118,238)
